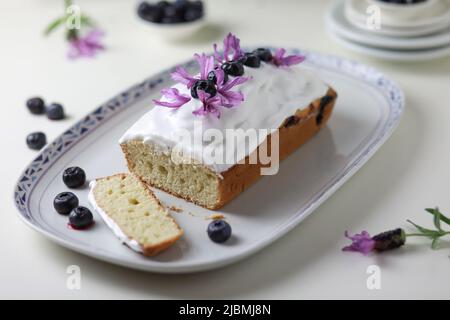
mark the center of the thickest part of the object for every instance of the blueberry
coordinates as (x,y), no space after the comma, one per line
(192,15)
(181,5)
(196,6)
(212,77)
(163,4)
(233,68)
(263,54)
(203,85)
(74,177)
(144,9)
(171,20)
(251,60)
(65,202)
(80,218)
(36,105)
(173,13)
(55,111)
(219,231)
(36,140)
(150,13)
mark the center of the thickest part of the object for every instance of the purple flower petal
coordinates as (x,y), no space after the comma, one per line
(231,98)
(231,45)
(280,60)
(177,99)
(216,54)
(362,242)
(86,46)
(94,36)
(206,64)
(182,76)
(220,76)
(233,82)
(210,104)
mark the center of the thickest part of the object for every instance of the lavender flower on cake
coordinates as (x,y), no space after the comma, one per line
(211,87)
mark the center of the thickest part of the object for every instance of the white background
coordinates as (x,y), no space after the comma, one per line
(409,173)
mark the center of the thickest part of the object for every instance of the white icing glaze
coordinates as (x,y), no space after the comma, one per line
(270,96)
(133,244)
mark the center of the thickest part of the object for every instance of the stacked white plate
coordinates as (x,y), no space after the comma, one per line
(406,32)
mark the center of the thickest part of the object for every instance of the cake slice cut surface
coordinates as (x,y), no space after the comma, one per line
(134,213)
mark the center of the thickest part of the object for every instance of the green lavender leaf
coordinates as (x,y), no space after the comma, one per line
(443,218)
(435,243)
(437,219)
(68,3)
(425,231)
(53,25)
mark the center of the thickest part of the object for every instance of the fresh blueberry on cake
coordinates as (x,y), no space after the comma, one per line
(266,90)
(134,214)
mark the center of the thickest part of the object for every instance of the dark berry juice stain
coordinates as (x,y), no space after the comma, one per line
(70,226)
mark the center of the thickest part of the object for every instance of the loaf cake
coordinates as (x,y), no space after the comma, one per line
(134,214)
(274,94)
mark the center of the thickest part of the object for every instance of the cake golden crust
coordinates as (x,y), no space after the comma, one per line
(148,250)
(293,132)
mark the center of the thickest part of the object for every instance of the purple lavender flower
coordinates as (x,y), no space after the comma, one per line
(280,60)
(209,105)
(365,244)
(231,46)
(86,46)
(361,242)
(225,97)
(228,97)
(206,65)
(176,99)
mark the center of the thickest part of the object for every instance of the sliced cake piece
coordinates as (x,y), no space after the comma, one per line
(134,214)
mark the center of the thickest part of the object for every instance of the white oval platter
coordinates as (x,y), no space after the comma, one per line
(368,110)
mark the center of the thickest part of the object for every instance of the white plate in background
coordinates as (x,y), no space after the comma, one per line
(337,23)
(393,55)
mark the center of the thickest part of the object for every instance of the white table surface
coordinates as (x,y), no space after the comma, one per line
(409,173)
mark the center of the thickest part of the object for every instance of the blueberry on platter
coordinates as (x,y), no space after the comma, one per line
(36,140)
(55,111)
(36,105)
(81,218)
(165,12)
(74,177)
(65,202)
(219,231)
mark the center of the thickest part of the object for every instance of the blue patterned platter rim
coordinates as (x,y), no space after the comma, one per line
(53,151)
